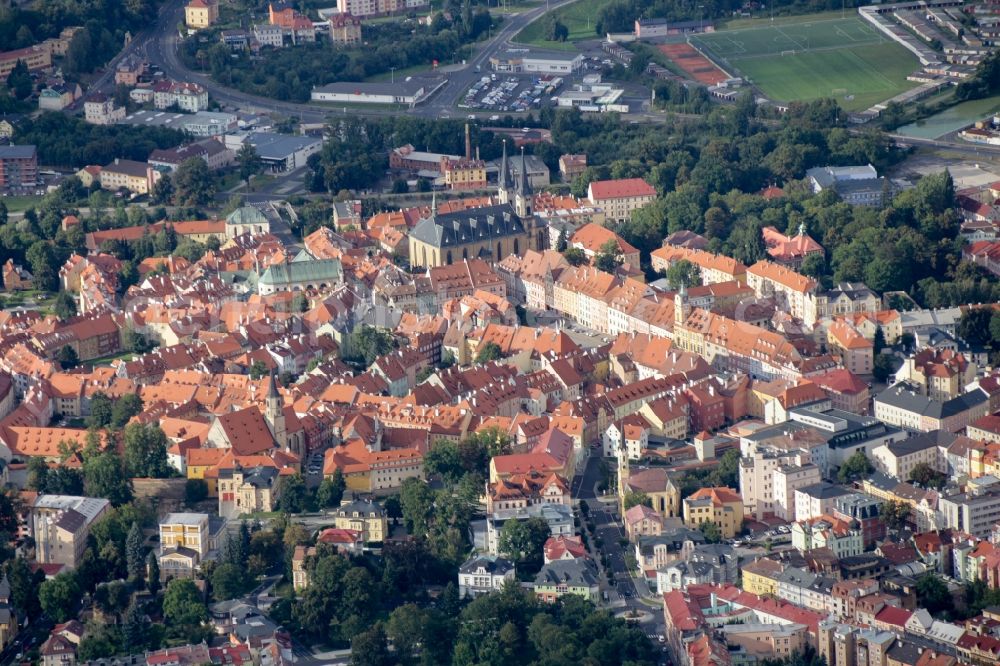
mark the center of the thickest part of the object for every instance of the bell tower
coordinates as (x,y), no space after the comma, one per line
(274,414)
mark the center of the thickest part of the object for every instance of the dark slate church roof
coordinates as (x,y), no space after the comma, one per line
(469,226)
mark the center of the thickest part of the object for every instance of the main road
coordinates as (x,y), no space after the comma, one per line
(161,45)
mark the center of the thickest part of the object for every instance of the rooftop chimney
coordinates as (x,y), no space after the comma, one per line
(468,143)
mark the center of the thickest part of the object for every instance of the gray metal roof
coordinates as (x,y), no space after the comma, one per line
(469,226)
(296,272)
(17,152)
(399,88)
(272,146)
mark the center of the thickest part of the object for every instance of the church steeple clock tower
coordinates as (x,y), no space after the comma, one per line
(274,414)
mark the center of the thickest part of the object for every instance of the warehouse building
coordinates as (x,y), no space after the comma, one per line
(411,91)
(541,62)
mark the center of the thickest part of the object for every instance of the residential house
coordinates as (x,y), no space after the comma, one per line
(136,177)
(364,516)
(563,577)
(16,277)
(345,29)
(722,506)
(101,110)
(619,198)
(898,459)
(591,238)
(200,14)
(641,520)
(483,574)
(247,491)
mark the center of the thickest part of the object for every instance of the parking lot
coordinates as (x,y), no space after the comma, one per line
(496,92)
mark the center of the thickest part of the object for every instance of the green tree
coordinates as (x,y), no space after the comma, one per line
(104,476)
(101,409)
(133,629)
(124,409)
(609,257)
(67,358)
(133,552)
(878,342)
(163,190)
(195,491)
(574,256)
(38,474)
(65,305)
(113,597)
(522,541)
(24,586)
(416,501)
(250,163)
(228,581)
(96,646)
(59,596)
(711,531)
(294,494)
(331,490)
(442,460)
(974,326)
(19,80)
(44,265)
(895,514)
(489,352)
(884,367)
(933,594)
(194,184)
(684,273)
(855,467)
(814,266)
(152,573)
(635,497)
(146,451)
(258,370)
(367,343)
(406,628)
(562,243)
(371,648)
(927,476)
(182,604)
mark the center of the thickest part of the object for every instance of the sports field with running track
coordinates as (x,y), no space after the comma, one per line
(841,57)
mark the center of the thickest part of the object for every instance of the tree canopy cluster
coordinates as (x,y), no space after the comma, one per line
(68,141)
(292,73)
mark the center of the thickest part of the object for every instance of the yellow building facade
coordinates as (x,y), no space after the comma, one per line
(722,506)
(200,14)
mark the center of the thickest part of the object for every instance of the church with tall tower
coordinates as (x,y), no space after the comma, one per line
(490,233)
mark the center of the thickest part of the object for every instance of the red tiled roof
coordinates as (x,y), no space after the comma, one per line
(896,617)
(625,187)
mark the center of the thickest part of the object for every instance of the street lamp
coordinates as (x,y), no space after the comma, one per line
(392,75)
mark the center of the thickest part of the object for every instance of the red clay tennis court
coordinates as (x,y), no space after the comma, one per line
(699,67)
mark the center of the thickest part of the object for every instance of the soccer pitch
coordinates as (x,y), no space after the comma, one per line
(843,58)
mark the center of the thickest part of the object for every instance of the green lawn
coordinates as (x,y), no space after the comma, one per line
(19,204)
(814,57)
(579,19)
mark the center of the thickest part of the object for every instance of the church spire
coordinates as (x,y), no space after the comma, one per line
(522,185)
(503,178)
(434,204)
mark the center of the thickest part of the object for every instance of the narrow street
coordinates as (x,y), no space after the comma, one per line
(624,591)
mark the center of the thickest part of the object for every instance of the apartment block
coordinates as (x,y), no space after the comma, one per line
(60,526)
